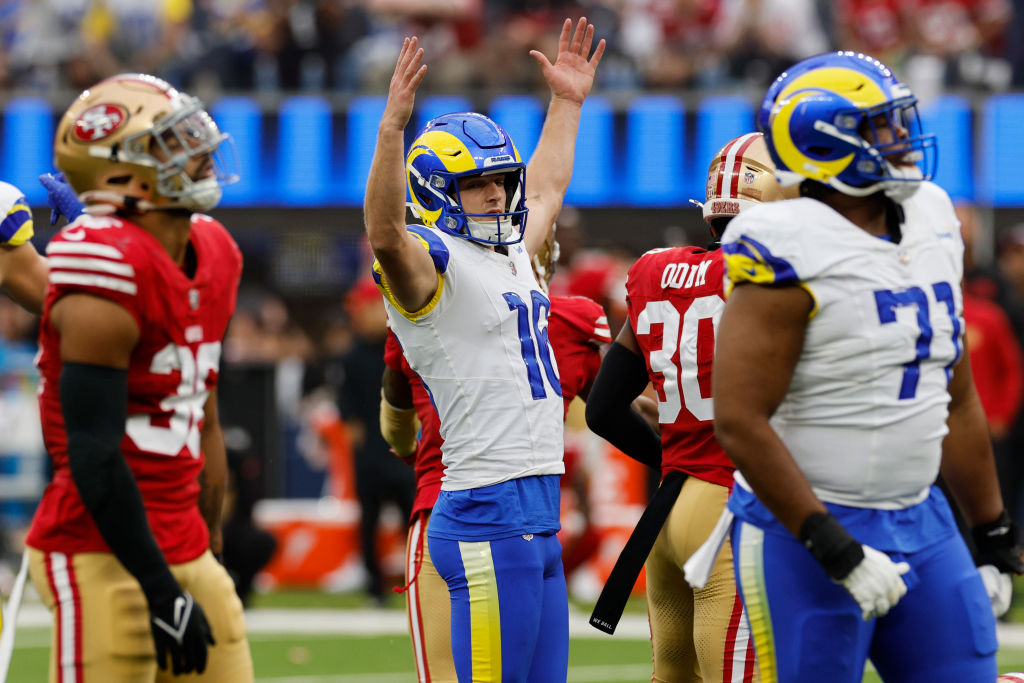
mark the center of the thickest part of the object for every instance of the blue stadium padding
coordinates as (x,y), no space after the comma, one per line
(435,105)
(27,148)
(240,117)
(654,152)
(720,118)
(522,117)
(595,159)
(361,137)
(949,117)
(304,144)
(1002,147)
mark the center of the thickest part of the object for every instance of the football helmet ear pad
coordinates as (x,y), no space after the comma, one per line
(455,146)
(844,120)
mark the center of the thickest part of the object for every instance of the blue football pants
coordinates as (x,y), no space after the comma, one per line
(510,613)
(808,629)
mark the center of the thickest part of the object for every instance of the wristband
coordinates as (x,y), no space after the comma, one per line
(831,544)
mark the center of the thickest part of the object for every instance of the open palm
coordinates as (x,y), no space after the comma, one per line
(572,75)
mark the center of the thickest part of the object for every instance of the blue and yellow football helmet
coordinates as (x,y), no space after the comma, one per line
(822,120)
(454,146)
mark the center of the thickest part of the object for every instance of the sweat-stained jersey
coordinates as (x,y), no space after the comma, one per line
(674,299)
(172,370)
(15,216)
(865,413)
(481,347)
(577,327)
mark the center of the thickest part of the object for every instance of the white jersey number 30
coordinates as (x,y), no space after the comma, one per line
(679,333)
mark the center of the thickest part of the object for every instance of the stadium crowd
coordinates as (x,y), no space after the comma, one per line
(347,45)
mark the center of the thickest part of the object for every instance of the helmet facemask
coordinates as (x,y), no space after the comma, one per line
(896,166)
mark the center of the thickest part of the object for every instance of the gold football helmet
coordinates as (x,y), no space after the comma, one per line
(741,174)
(129,143)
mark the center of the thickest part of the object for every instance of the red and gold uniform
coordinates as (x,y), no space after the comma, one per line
(102,624)
(675,300)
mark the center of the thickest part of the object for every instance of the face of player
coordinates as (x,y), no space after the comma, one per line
(199,166)
(483,193)
(881,130)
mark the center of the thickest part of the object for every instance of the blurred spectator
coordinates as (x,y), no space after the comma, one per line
(349,45)
(379,475)
(1010,455)
(874,27)
(247,548)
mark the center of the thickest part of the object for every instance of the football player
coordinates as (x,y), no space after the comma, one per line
(842,388)
(472,321)
(674,300)
(578,329)
(140,293)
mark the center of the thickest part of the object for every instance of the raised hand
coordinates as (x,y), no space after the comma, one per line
(406,80)
(572,75)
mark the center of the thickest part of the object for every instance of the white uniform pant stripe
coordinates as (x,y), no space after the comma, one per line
(68,614)
(413,599)
(741,649)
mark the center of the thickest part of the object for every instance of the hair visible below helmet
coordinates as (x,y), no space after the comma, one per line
(815,117)
(741,174)
(459,145)
(134,133)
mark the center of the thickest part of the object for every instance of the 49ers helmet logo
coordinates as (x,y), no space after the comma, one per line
(99,121)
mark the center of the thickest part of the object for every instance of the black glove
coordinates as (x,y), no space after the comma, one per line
(998,544)
(180,630)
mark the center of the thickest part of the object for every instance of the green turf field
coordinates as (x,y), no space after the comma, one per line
(289,657)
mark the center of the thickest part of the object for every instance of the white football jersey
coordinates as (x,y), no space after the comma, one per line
(481,347)
(866,410)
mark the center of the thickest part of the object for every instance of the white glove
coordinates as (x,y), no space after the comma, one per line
(876,583)
(999,587)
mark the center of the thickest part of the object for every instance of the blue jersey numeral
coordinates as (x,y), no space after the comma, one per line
(530,327)
(887,301)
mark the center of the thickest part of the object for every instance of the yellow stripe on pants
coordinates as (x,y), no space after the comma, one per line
(484,612)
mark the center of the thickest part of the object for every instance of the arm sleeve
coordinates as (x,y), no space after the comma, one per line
(622,378)
(95,405)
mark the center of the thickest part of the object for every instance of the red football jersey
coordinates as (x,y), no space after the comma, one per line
(429,469)
(675,300)
(172,370)
(577,326)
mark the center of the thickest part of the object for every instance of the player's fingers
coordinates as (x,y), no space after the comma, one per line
(418,78)
(541,59)
(401,57)
(598,53)
(413,65)
(577,35)
(563,38)
(588,40)
(161,657)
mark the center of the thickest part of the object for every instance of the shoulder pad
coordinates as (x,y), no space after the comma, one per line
(16,226)
(88,256)
(761,246)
